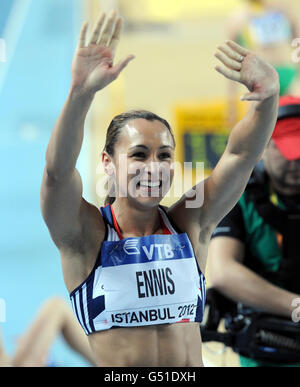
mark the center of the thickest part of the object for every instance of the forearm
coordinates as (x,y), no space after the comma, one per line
(243,285)
(251,135)
(67,136)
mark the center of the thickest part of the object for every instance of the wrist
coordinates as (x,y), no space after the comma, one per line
(269,102)
(81,93)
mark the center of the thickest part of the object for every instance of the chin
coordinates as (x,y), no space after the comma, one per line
(146,202)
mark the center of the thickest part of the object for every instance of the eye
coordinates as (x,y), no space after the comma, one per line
(165,155)
(139,155)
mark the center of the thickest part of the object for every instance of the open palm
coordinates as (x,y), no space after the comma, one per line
(243,66)
(93,65)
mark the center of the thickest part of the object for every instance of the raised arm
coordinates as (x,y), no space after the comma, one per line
(63,207)
(245,145)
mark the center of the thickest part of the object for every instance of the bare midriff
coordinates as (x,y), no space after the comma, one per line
(167,345)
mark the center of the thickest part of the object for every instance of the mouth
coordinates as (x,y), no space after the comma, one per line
(149,184)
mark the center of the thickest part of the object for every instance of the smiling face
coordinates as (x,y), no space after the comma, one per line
(143,161)
(284,174)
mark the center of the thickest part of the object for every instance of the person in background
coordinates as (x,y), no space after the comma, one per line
(55,317)
(268,29)
(254,251)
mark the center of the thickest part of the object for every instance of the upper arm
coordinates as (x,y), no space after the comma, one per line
(214,197)
(223,254)
(224,249)
(224,187)
(62,208)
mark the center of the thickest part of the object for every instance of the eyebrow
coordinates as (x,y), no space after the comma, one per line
(145,147)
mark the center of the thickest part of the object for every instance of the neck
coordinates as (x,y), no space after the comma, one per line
(136,220)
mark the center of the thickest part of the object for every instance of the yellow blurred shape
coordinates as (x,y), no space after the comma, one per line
(206,117)
(172,10)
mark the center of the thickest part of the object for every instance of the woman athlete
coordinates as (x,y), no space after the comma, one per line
(135,269)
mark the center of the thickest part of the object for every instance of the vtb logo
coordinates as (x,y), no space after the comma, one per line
(163,250)
(130,247)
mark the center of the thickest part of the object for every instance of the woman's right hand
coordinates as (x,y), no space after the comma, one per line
(93,67)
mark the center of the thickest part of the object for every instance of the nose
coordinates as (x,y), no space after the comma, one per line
(153,168)
(159,170)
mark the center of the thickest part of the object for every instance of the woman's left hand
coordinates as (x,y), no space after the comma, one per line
(243,66)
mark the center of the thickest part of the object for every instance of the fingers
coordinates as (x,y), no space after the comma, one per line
(110,36)
(108,30)
(228,73)
(82,36)
(252,97)
(256,96)
(228,62)
(121,65)
(97,30)
(237,48)
(232,56)
(116,35)
(230,53)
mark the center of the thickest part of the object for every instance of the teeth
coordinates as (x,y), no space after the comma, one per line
(149,184)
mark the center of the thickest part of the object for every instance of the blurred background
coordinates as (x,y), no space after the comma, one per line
(173,75)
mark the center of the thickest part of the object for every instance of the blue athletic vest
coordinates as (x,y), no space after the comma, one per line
(140,281)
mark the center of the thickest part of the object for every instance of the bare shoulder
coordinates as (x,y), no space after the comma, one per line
(189,220)
(71,220)
(175,214)
(189,212)
(198,236)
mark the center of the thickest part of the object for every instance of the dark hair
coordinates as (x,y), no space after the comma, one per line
(114,130)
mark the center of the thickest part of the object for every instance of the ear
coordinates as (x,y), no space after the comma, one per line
(107,164)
